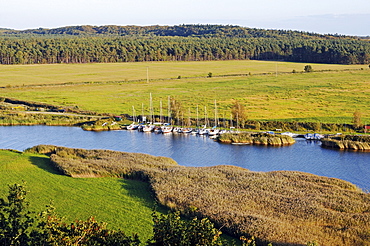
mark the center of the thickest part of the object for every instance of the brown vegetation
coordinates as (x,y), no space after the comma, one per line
(284,207)
(256,138)
(351,142)
(101,163)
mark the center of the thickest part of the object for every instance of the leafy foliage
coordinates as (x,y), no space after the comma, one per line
(172,230)
(357,119)
(19,226)
(89,232)
(15,219)
(180,30)
(176,110)
(308,68)
(239,113)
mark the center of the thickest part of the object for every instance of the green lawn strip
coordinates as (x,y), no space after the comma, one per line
(125,204)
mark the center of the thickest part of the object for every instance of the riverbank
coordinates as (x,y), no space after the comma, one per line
(13,118)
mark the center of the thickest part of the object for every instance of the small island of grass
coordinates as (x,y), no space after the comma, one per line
(256,139)
(347,142)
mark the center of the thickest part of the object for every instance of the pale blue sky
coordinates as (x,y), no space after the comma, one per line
(321,16)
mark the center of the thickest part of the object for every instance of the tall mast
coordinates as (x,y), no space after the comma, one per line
(142,112)
(151,109)
(231,120)
(169,109)
(189,121)
(216,120)
(205,115)
(133,114)
(147,75)
(160,111)
(197,116)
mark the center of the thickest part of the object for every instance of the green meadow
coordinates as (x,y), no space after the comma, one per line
(125,204)
(269,90)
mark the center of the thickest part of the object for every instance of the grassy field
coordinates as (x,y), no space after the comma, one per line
(19,75)
(331,94)
(125,204)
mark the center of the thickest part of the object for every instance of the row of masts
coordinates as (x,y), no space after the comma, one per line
(151,117)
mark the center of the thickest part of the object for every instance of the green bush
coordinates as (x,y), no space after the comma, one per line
(172,230)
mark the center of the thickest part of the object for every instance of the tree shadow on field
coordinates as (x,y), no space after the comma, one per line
(143,192)
(44,163)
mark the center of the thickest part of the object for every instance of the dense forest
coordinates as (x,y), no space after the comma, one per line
(84,44)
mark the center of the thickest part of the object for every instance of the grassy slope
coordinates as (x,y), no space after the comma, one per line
(286,208)
(324,96)
(125,204)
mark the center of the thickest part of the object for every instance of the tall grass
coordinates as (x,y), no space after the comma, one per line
(9,118)
(284,207)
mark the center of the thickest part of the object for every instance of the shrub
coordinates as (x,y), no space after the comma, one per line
(172,230)
(308,68)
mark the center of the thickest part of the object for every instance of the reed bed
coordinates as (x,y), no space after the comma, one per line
(11,118)
(351,142)
(101,163)
(102,125)
(283,207)
(256,139)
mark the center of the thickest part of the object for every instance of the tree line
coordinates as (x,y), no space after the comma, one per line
(87,44)
(191,30)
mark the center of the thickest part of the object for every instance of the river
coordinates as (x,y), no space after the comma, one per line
(189,150)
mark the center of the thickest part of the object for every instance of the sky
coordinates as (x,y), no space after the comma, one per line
(319,16)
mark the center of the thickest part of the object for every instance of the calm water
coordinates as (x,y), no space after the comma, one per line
(189,150)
